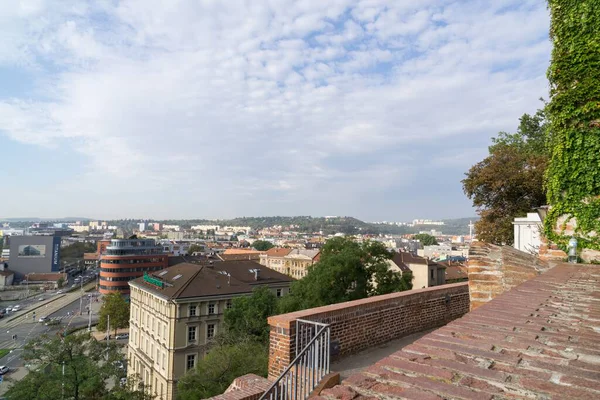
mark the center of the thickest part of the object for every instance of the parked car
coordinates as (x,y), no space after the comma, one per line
(60,292)
(16,308)
(119,364)
(4,369)
(123,381)
(41,299)
(122,336)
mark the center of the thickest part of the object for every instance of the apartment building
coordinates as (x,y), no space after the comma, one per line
(291,262)
(176,312)
(425,273)
(127,259)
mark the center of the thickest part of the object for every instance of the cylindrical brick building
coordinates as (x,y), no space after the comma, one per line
(127,259)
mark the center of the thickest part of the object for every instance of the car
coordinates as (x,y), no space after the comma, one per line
(60,292)
(119,364)
(74,285)
(41,299)
(16,308)
(4,369)
(123,381)
(43,319)
(122,336)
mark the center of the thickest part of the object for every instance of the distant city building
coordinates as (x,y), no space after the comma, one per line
(127,259)
(177,312)
(291,262)
(173,248)
(425,273)
(34,254)
(176,228)
(175,235)
(417,222)
(142,226)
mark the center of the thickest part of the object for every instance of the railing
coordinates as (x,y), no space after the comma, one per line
(311,364)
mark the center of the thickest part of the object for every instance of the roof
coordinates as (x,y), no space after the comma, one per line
(241,251)
(540,340)
(455,271)
(49,277)
(6,273)
(278,252)
(240,257)
(188,280)
(303,253)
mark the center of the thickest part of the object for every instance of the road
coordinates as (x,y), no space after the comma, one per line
(25,327)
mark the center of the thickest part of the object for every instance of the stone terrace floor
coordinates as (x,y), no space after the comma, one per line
(540,340)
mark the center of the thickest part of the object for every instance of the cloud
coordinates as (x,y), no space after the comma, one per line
(256,99)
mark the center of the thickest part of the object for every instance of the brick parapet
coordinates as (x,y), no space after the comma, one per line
(495,269)
(360,324)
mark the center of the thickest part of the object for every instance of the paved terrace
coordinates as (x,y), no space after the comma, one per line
(540,340)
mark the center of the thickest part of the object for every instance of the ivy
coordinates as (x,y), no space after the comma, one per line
(573,176)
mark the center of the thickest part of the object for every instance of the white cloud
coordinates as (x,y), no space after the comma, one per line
(220,91)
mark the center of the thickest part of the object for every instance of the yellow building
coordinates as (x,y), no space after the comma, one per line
(291,262)
(177,311)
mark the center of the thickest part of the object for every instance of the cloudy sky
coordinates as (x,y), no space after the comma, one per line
(176,109)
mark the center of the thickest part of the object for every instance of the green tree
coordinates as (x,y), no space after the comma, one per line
(426,239)
(195,248)
(60,282)
(248,314)
(221,366)
(346,271)
(509,182)
(115,306)
(88,365)
(262,245)
(573,176)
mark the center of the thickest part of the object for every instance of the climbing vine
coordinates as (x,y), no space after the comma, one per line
(573,176)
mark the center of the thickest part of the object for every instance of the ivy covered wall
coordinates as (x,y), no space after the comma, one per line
(573,176)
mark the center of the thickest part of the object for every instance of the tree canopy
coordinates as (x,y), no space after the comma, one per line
(195,248)
(426,239)
(113,304)
(573,176)
(509,182)
(248,314)
(221,366)
(88,365)
(262,245)
(347,270)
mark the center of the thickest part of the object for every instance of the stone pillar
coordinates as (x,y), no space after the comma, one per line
(495,269)
(282,343)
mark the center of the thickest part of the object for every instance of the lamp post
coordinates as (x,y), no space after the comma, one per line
(63,380)
(90,315)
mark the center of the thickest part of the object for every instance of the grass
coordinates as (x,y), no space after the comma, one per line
(4,352)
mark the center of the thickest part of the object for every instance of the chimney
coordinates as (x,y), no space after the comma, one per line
(256,271)
(210,264)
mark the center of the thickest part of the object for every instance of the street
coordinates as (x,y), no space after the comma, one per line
(24,324)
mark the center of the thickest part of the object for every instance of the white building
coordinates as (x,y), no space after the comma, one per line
(142,226)
(527,233)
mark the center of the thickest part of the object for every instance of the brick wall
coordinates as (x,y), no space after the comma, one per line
(495,269)
(246,387)
(365,323)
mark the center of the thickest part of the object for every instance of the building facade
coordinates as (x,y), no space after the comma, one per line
(527,233)
(127,259)
(291,262)
(426,273)
(176,312)
(29,254)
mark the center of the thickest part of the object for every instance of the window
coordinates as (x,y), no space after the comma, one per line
(431,273)
(278,292)
(191,333)
(210,331)
(229,304)
(192,311)
(191,361)
(211,308)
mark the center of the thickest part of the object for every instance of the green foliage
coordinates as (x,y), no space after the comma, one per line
(248,314)
(426,239)
(346,271)
(221,366)
(76,250)
(509,182)
(195,248)
(60,282)
(113,304)
(88,365)
(573,176)
(262,245)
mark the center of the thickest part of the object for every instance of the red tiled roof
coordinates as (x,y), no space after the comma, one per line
(540,340)
(278,252)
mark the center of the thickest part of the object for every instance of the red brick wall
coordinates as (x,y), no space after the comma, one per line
(495,269)
(360,324)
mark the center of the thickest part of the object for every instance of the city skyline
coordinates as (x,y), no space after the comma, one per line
(358,108)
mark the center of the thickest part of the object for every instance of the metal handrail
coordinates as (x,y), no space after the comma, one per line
(305,372)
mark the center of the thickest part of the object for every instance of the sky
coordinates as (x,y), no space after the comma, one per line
(216,109)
